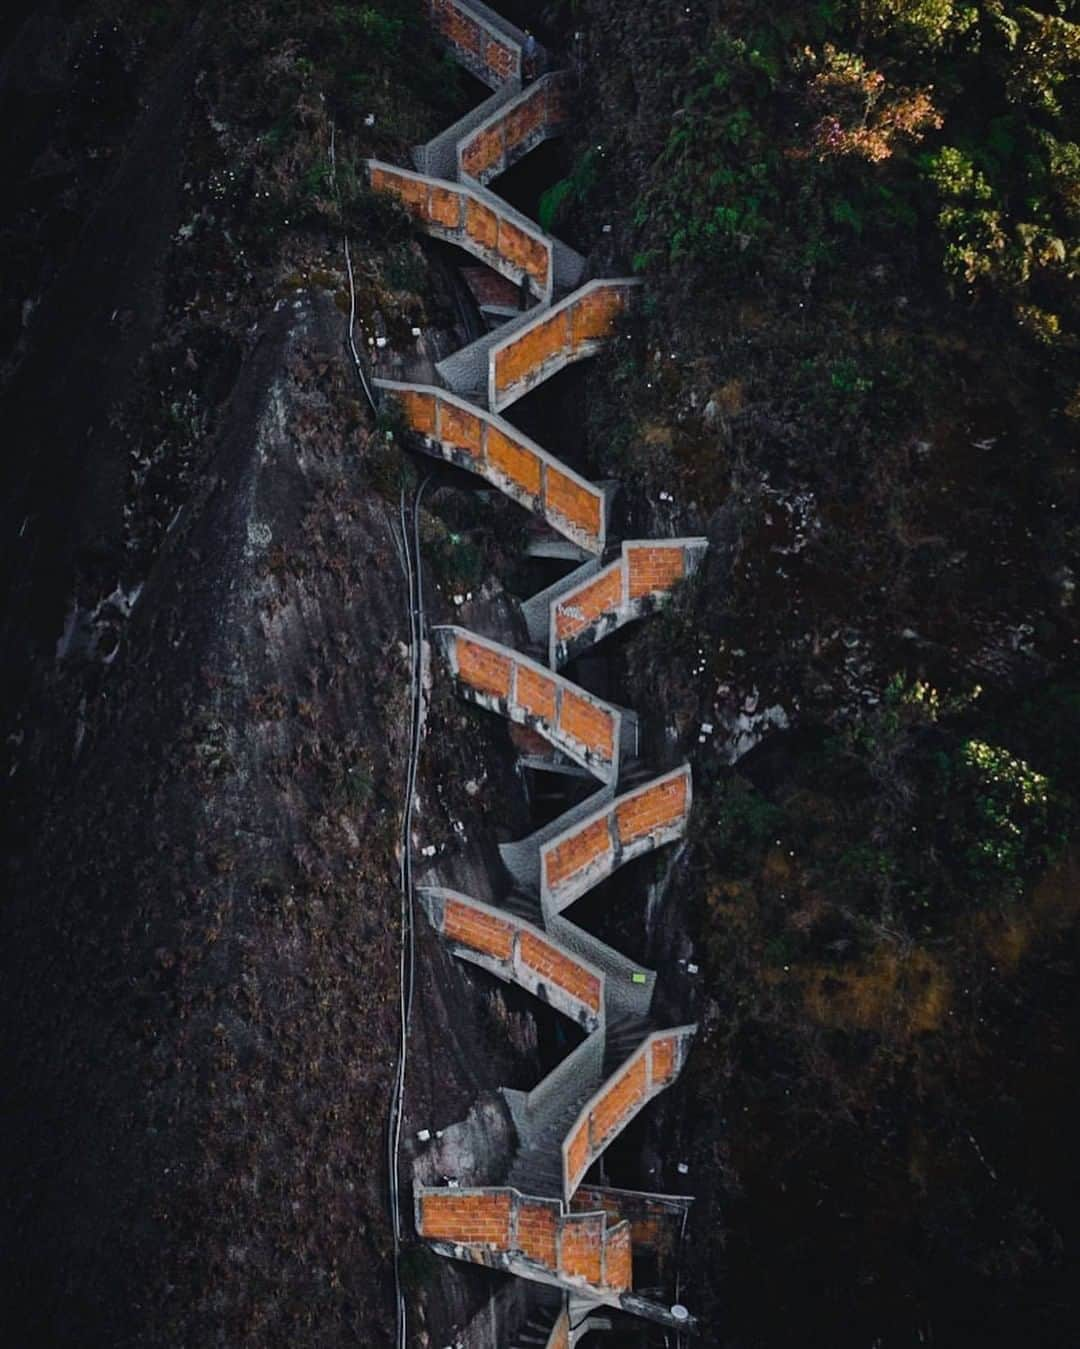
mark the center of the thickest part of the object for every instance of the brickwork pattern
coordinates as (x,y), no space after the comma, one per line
(454,212)
(569,500)
(661,804)
(651,808)
(513,463)
(556,967)
(564,334)
(587,1241)
(573,721)
(493,59)
(487,445)
(586,848)
(631,824)
(652,570)
(589,603)
(618,1257)
(577,1151)
(621,1100)
(537,1232)
(540,111)
(483,668)
(663,1060)
(644,576)
(525,955)
(581,1253)
(590,725)
(479,930)
(470,1219)
(535,694)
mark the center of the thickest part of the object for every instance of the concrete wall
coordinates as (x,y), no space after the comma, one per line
(645,1074)
(575,1250)
(583,855)
(465,435)
(639,581)
(511,131)
(517,952)
(495,233)
(505,681)
(568,331)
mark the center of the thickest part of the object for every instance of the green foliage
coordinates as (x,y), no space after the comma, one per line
(795,139)
(574,188)
(1008,815)
(742,823)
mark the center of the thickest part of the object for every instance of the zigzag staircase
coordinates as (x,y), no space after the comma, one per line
(574,1243)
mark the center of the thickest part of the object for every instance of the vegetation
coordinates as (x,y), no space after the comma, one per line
(857,225)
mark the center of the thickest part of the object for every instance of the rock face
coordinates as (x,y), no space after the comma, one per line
(200,957)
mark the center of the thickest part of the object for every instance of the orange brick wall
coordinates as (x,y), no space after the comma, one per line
(499,59)
(482,151)
(663,1060)
(560,969)
(653,569)
(445,207)
(579,608)
(521,466)
(483,669)
(588,724)
(464,430)
(576,852)
(535,693)
(471,1219)
(581,1250)
(652,808)
(451,209)
(528,116)
(482,224)
(580,505)
(618,1258)
(647,1222)
(536,1228)
(525,354)
(420,412)
(412,194)
(620,1100)
(482,931)
(577,1153)
(594,314)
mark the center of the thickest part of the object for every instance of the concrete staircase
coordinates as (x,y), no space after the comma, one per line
(529,1225)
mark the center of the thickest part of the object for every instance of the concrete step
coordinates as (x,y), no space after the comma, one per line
(524,907)
(622,1037)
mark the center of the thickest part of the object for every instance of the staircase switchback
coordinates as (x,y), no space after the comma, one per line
(543,1223)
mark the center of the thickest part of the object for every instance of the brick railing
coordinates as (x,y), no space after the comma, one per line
(485,43)
(635,584)
(517,952)
(585,1250)
(505,1229)
(568,331)
(590,850)
(465,435)
(538,112)
(491,231)
(653,1066)
(503,680)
